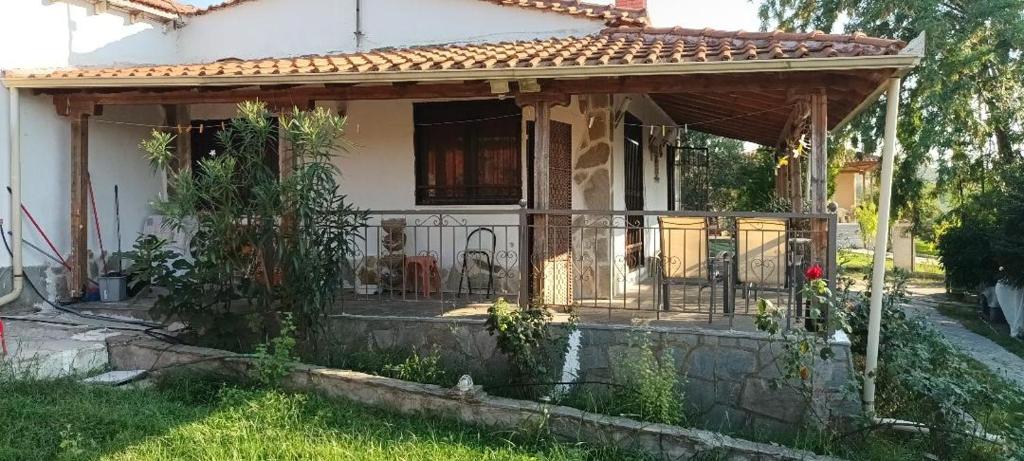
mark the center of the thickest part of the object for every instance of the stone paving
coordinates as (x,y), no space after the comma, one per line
(1002,362)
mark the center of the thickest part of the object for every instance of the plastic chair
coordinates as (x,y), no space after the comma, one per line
(488,257)
(425,267)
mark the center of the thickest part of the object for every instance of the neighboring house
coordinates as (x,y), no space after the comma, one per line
(458,110)
(854,183)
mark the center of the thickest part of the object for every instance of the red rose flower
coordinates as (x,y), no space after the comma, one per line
(814,272)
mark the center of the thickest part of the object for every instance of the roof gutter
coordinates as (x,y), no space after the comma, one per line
(900,61)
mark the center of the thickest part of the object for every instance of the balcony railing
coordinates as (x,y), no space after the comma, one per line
(711,265)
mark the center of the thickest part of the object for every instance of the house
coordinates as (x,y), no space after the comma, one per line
(526,149)
(854,183)
(558,105)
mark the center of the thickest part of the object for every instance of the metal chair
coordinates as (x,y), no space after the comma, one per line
(761,259)
(684,256)
(488,257)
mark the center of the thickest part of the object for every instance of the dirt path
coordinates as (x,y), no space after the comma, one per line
(1002,362)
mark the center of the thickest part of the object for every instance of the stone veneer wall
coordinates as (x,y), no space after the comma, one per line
(592,183)
(728,374)
(662,442)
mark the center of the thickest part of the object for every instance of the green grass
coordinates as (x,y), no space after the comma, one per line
(970,318)
(926,248)
(858,265)
(203,420)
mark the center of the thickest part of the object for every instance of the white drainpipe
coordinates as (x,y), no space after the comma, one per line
(14,117)
(892,100)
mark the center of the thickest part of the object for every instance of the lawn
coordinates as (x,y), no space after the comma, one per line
(857,265)
(189,418)
(970,318)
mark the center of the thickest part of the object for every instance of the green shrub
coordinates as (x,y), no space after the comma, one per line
(866,215)
(522,336)
(966,246)
(1009,241)
(418,368)
(922,377)
(262,245)
(274,360)
(647,387)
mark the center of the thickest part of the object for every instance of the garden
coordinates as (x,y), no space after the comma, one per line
(290,251)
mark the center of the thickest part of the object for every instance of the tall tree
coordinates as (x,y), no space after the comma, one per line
(963,105)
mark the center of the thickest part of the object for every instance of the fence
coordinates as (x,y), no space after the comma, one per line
(715,264)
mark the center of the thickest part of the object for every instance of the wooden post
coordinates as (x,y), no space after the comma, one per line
(179,116)
(79,203)
(285,157)
(541,192)
(818,171)
(796,183)
(781,173)
(819,152)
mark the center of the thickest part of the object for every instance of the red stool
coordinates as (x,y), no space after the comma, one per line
(425,267)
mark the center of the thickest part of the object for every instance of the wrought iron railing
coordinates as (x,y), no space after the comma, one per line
(706,264)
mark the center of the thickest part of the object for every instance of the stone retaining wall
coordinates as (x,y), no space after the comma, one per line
(659,440)
(728,374)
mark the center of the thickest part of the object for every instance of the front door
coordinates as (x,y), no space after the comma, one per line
(556,263)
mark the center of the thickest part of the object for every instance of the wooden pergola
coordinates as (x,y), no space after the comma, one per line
(772,103)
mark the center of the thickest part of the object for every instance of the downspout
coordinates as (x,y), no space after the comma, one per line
(892,101)
(359,24)
(14,118)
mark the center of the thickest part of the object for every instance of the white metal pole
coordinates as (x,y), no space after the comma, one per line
(14,119)
(881,242)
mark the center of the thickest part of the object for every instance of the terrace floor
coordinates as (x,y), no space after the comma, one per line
(689,306)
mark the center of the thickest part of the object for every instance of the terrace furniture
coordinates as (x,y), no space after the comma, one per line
(480,252)
(424,268)
(761,247)
(684,254)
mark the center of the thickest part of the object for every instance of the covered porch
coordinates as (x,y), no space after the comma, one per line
(543,171)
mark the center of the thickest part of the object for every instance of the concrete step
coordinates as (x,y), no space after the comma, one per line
(116,378)
(51,350)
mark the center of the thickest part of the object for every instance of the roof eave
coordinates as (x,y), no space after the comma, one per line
(901,63)
(914,50)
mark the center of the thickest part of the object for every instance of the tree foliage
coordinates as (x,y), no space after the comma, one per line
(964,104)
(739,180)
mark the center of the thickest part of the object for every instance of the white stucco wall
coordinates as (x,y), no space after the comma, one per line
(38,34)
(273,28)
(378,169)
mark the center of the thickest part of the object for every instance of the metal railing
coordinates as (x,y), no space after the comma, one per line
(712,265)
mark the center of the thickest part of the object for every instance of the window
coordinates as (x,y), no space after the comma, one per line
(468,153)
(206,141)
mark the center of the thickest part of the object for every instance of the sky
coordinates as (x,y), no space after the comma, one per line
(716,14)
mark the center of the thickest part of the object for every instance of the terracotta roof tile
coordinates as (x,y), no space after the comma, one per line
(614,46)
(610,14)
(169,6)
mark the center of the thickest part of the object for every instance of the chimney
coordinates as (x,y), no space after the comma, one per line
(631,4)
